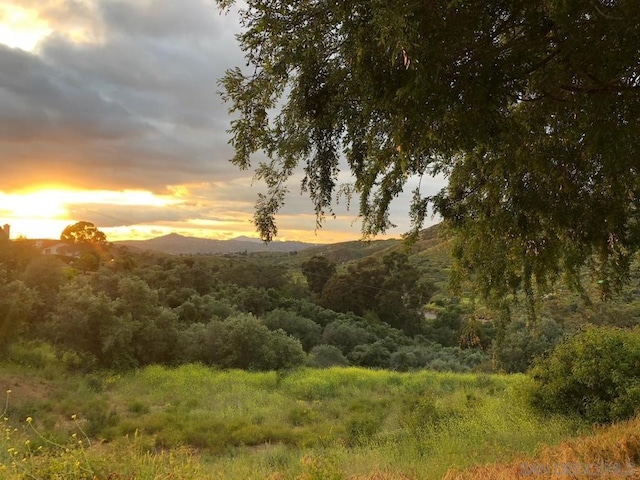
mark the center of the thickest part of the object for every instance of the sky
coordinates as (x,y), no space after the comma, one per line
(110,113)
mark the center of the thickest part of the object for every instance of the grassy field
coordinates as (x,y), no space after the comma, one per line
(197,422)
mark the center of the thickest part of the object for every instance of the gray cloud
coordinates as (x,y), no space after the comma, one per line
(106,216)
(134,104)
(165,18)
(136,107)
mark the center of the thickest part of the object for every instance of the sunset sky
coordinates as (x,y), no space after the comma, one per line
(109,113)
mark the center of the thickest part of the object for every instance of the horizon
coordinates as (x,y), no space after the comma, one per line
(241,237)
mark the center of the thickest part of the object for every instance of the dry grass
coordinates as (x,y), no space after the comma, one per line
(610,453)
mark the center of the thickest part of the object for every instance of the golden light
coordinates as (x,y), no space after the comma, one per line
(38,205)
(24,26)
(43,213)
(21,28)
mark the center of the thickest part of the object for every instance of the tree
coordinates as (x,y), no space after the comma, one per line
(45,275)
(318,270)
(244,342)
(17,303)
(595,374)
(531,109)
(391,290)
(306,331)
(83,233)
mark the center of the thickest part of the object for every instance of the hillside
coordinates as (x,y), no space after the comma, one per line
(194,422)
(178,244)
(431,243)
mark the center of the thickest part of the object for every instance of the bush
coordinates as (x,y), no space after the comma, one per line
(324,356)
(370,355)
(305,330)
(595,374)
(522,345)
(345,334)
(435,357)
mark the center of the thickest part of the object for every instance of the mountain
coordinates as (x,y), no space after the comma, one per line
(178,244)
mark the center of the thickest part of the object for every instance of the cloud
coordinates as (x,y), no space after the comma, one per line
(123,95)
(134,103)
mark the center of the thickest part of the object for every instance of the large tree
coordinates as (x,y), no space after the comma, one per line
(530,108)
(83,233)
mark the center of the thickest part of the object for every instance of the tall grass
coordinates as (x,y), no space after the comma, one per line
(199,422)
(612,453)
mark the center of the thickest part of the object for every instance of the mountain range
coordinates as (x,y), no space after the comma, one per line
(176,244)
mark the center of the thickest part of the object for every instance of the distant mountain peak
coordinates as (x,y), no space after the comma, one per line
(174,243)
(244,238)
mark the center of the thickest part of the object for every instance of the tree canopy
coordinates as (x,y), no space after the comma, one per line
(83,233)
(531,109)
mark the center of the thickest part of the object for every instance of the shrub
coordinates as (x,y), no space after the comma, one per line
(323,356)
(370,355)
(522,345)
(345,334)
(435,357)
(595,374)
(305,330)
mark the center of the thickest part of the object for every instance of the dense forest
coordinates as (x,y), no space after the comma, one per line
(381,304)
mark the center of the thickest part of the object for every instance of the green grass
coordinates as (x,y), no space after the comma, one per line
(197,422)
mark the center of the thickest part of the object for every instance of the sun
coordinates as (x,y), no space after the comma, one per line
(45,204)
(43,212)
(21,27)
(34,214)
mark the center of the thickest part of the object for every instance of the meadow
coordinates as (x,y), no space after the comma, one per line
(194,421)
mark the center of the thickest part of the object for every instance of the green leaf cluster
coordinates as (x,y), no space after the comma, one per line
(595,374)
(530,109)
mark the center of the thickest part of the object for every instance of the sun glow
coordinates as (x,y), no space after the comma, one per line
(38,205)
(44,213)
(21,28)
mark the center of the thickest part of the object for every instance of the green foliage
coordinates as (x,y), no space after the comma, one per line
(241,341)
(305,330)
(100,417)
(86,321)
(445,328)
(371,355)
(256,301)
(324,356)
(247,273)
(345,335)
(531,111)
(32,354)
(15,256)
(45,275)
(130,330)
(389,288)
(522,345)
(321,316)
(239,424)
(83,233)
(156,311)
(318,270)
(17,302)
(247,343)
(201,309)
(595,374)
(434,356)
(87,262)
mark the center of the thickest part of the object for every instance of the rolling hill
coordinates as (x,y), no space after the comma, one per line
(178,244)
